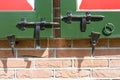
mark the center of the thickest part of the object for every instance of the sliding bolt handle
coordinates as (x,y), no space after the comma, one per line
(83,19)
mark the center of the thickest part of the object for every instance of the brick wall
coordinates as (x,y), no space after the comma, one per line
(60,58)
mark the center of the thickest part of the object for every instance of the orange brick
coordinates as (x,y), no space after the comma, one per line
(7,74)
(4,43)
(102,43)
(52,63)
(91,63)
(34,73)
(81,43)
(114,42)
(16,64)
(87,43)
(107,53)
(72,73)
(36,53)
(72,53)
(56,12)
(114,63)
(103,73)
(56,19)
(56,33)
(24,43)
(6,54)
(30,43)
(56,3)
(44,43)
(60,43)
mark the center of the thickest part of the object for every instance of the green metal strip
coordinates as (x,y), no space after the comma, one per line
(9,19)
(73,30)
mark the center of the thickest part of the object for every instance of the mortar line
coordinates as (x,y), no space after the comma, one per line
(109,63)
(17,54)
(15,74)
(67,68)
(54,8)
(82,58)
(91,73)
(54,53)
(54,76)
(71,43)
(97,48)
(108,43)
(72,63)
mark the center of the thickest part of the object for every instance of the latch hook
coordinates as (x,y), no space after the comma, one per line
(11,40)
(94,39)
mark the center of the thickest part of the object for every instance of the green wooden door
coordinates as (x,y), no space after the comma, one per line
(108,27)
(9,19)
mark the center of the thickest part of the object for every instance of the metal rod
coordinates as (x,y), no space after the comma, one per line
(36,36)
(83,24)
(92,53)
(94,39)
(13,51)
(11,40)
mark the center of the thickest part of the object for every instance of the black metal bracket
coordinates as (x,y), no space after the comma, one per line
(94,39)
(11,40)
(23,24)
(83,19)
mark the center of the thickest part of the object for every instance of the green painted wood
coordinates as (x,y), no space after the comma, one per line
(73,30)
(9,19)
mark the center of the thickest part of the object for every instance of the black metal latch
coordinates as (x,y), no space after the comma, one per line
(94,39)
(84,19)
(11,40)
(23,24)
